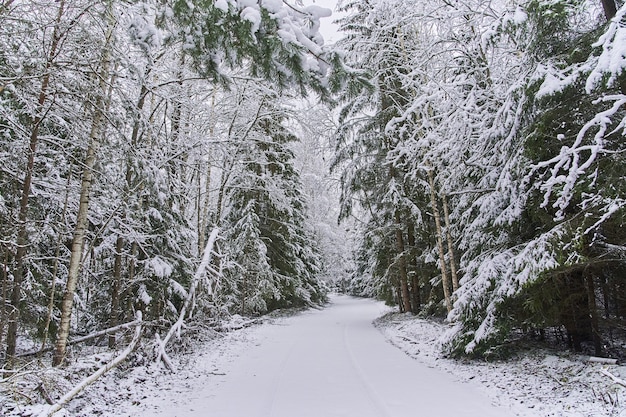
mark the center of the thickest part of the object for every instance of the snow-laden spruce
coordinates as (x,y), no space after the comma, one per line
(524,173)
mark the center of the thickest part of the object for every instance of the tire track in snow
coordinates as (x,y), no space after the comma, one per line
(270,403)
(373,396)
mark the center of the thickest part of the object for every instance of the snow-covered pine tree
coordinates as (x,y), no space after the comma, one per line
(537,262)
(277,41)
(275,261)
(575,146)
(375,125)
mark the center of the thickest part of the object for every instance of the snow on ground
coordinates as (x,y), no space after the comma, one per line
(322,363)
(325,363)
(132,388)
(535,383)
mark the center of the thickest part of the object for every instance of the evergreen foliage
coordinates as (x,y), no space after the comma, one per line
(480,149)
(275,260)
(513,117)
(131,94)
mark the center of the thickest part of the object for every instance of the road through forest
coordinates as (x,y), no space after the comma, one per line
(326,363)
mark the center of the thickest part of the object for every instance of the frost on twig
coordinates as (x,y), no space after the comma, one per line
(200,273)
(93,377)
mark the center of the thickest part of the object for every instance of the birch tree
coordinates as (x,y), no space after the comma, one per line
(99,107)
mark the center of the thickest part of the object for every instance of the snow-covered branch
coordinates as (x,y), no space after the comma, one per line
(573,162)
(93,377)
(85,338)
(209,252)
(615,379)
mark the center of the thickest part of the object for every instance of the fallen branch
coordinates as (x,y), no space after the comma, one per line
(200,272)
(613,377)
(237,326)
(93,377)
(607,361)
(83,339)
(41,389)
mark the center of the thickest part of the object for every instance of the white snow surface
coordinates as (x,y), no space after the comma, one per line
(331,362)
(336,362)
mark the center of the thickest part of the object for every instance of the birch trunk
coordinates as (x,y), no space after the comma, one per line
(55,268)
(442,257)
(22,232)
(101,371)
(453,273)
(82,222)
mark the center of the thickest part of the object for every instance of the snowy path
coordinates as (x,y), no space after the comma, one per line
(329,363)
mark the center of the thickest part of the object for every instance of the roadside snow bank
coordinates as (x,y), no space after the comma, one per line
(537,383)
(136,388)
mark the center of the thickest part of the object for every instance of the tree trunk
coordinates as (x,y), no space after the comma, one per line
(404,282)
(55,267)
(445,281)
(575,309)
(134,253)
(176,167)
(22,232)
(416,299)
(101,371)
(4,6)
(78,241)
(593,313)
(207,188)
(5,281)
(116,288)
(82,221)
(610,8)
(453,274)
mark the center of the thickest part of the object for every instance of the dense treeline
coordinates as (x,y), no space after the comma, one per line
(480,147)
(486,164)
(129,130)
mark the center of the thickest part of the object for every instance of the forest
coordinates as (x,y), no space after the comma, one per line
(177,158)
(487,166)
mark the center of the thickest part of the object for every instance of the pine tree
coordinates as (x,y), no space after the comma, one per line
(267,216)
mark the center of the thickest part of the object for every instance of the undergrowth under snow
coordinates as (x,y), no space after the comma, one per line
(533,383)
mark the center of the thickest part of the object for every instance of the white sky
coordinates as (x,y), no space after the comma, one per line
(327,28)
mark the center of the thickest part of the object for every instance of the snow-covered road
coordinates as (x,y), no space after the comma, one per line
(327,363)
